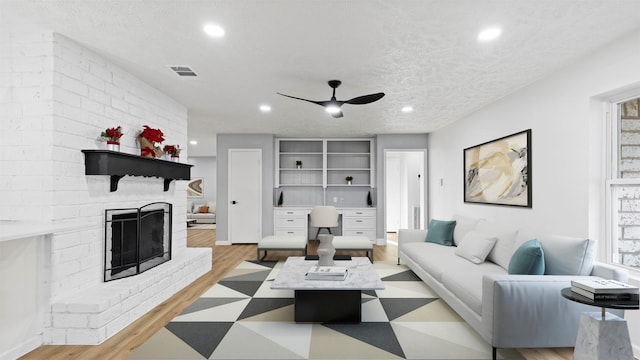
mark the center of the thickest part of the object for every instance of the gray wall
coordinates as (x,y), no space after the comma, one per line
(394,142)
(204,167)
(266,142)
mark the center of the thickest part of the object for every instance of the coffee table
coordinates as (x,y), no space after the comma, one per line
(327,300)
(191,222)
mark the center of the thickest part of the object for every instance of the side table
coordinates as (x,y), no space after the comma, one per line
(601,335)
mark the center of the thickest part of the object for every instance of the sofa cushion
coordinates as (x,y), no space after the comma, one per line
(475,247)
(189,206)
(435,258)
(528,259)
(505,243)
(463,226)
(204,209)
(565,255)
(466,282)
(441,232)
(212,207)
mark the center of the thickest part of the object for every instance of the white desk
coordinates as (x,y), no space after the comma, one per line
(354,221)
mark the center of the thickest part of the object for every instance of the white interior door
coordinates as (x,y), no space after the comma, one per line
(245,195)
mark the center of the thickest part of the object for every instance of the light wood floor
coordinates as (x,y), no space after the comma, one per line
(224,259)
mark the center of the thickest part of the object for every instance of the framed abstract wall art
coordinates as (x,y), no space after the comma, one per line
(195,188)
(498,172)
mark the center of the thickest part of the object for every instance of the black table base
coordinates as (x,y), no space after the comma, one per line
(343,306)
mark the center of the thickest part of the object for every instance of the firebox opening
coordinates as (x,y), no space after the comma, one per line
(136,239)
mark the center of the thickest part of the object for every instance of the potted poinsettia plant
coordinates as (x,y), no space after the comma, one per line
(150,140)
(173,151)
(112,137)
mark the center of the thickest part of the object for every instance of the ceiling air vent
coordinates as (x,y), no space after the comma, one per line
(183,70)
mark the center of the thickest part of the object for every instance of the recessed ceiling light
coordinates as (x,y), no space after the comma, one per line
(265,108)
(213,30)
(407,109)
(193,142)
(489,34)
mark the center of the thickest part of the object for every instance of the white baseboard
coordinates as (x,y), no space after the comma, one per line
(22,348)
(223,242)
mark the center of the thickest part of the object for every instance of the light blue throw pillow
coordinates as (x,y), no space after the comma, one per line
(528,259)
(441,232)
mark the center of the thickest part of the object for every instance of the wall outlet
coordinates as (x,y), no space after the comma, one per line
(335,199)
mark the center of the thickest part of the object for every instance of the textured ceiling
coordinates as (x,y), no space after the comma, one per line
(420,53)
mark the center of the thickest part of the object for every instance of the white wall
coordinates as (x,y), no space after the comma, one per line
(204,167)
(566,119)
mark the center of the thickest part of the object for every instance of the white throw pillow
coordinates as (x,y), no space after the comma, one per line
(475,247)
(212,207)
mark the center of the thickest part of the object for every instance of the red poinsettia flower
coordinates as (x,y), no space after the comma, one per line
(112,134)
(172,149)
(153,135)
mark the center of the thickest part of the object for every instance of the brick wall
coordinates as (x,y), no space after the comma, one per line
(26,109)
(628,196)
(59,96)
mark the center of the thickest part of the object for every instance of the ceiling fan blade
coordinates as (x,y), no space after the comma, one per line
(365,99)
(321,103)
(337,115)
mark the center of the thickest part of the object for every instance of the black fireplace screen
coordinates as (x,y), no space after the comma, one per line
(136,239)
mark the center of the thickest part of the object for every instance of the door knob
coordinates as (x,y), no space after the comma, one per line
(234,202)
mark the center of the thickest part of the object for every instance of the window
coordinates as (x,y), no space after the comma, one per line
(623,185)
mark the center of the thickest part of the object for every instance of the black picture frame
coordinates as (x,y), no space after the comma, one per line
(498,172)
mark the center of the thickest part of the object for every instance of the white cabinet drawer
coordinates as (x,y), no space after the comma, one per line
(369,234)
(359,212)
(359,223)
(280,232)
(290,222)
(289,213)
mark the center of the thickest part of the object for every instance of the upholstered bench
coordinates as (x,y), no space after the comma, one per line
(354,243)
(282,243)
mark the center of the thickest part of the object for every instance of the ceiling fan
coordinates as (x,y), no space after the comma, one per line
(334,107)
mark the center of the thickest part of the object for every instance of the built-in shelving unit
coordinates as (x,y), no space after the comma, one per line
(299,163)
(324,162)
(349,158)
(117,164)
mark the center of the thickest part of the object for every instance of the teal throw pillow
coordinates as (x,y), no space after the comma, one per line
(441,232)
(528,259)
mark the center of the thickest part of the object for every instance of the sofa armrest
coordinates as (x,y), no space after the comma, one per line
(406,236)
(411,235)
(610,272)
(529,311)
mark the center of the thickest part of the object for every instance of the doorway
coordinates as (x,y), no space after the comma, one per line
(245,196)
(404,190)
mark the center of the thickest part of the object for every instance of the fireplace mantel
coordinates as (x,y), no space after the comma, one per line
(117,164)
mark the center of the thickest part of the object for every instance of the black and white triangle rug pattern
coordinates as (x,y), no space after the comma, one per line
(240,317)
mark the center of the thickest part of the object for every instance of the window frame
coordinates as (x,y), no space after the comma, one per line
(612,175)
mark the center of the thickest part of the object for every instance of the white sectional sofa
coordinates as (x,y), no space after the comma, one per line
(208,217)
(508,311)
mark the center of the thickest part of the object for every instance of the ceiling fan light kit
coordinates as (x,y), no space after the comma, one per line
(334,106)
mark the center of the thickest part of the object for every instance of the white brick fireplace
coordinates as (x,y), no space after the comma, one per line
(60,96)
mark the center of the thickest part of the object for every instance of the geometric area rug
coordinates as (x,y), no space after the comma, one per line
(240,317)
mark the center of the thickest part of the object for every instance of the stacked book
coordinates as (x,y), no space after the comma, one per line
(606,290)
(327,273)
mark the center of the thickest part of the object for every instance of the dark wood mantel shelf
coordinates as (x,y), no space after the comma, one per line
(116,165)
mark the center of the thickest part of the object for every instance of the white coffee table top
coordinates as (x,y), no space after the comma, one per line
(360,276)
